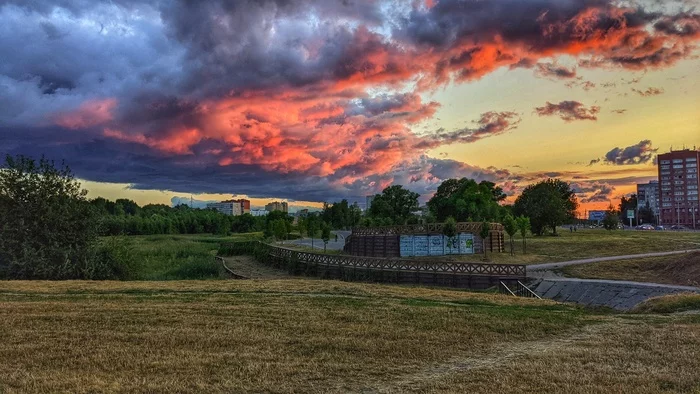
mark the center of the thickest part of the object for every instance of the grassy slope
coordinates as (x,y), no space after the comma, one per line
(592,243)
(683,269)
(320,336)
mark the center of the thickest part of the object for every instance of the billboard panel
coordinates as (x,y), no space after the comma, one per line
(420,245)
(435,245)
(596,215)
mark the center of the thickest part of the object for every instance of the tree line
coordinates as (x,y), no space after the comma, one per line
(49,229)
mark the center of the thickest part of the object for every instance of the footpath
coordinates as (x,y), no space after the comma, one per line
(620,295)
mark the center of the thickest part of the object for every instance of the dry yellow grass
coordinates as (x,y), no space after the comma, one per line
(641,355)
(278,336)
(294,335)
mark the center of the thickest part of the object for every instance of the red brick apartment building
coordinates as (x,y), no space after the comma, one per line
(678,188)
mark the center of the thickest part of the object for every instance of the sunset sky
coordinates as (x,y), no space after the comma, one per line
(318,100)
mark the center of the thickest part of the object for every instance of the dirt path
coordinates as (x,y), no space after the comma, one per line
(246,266)
(499,357)
(551,266)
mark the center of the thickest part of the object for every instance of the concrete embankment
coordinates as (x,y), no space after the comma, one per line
(620,295)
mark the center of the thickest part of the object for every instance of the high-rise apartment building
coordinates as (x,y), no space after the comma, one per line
(231,207)
(368,204)
(678,180)
(648,194)
(277,206)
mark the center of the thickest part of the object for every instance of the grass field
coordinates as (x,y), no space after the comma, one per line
(296,335)
(174,257)
(591,243)
(682,269)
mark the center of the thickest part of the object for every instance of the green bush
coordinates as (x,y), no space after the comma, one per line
(195,269)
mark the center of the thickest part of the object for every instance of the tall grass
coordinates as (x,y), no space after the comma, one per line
(168,257)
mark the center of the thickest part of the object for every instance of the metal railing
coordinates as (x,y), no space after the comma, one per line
(517,289)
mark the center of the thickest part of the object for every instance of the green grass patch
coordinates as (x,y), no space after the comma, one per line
(670,304)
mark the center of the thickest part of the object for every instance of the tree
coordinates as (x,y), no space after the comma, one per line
(312,225)
(612,219)
(511,226)
(484,234)
(646,214)
(395,205)
(548,204)
(449,230)
(47,226)
(627,204)
(466,200)
(325,234)
(524,226)
(279,229)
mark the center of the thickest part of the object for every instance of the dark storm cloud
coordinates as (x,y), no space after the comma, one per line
(635,154)
(278,98)
(569,111)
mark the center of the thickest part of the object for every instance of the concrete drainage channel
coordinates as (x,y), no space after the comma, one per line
(618,295)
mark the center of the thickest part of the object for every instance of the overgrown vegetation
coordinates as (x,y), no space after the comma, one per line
(46,225)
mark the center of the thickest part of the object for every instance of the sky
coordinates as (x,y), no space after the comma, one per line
(317,100)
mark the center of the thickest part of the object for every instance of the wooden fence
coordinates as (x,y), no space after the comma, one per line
(355,268)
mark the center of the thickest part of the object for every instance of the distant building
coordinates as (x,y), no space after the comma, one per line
(303,213)
(368,205)
(231,207)
(277,206)
(679,181)
(258,212)
(648,193)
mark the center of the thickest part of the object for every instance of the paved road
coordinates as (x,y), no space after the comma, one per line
(318,243)
(552,266)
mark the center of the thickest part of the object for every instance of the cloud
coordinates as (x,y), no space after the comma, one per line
(593,191)
(554,71)
(635,154)
(569,111)
(290,98)
(489,124)
(649,92)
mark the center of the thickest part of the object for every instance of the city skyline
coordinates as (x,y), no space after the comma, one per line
(313,101)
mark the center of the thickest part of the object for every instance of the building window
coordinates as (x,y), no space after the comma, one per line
(665,161)
(692,176)
(677,166)
(677,161)
(691,160)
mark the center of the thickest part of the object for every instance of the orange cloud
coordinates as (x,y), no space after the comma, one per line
(90,113)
